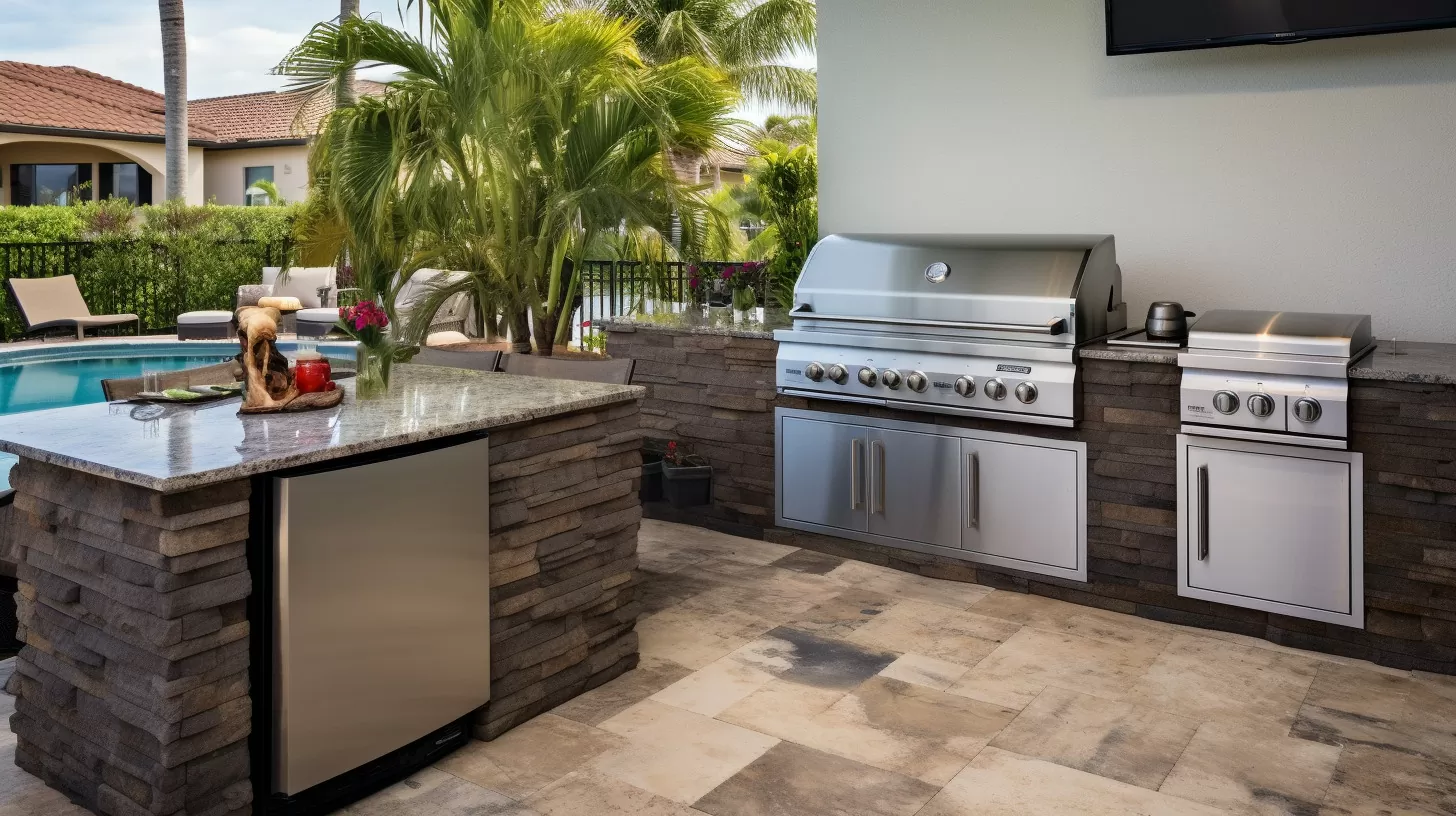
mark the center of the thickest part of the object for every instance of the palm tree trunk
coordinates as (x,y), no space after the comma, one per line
(174,72)
(688,165)
(346,96)
(546,333)
(520,318)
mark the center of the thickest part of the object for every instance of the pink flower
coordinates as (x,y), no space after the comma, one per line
(728,272)
(586,324)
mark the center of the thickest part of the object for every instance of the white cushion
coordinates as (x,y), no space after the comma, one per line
(419,284)
(323,315)
(446,338)
(303,283)
(204,318)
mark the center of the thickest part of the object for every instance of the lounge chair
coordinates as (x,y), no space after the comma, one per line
(316,287)
(218,374)
(617,372)
(451,315)
(473,360)
(55,303)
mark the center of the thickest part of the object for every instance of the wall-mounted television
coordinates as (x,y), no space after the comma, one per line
(1142,26)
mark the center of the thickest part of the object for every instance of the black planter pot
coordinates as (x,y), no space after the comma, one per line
(651,489)
(689,484)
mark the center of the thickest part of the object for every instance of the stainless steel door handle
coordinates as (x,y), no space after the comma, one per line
(973,497)
(856,486)
(1203,512)
(877,485)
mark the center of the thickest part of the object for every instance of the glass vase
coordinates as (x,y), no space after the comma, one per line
(372,379)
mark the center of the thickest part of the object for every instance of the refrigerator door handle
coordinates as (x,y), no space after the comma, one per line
(973,493)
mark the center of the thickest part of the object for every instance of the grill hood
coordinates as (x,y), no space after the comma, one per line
(1046,289)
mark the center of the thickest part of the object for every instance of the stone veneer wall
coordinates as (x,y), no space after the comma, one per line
(564,517)
(132,689)
(1130,424)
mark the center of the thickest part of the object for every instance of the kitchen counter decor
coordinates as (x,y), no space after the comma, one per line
(268,384)
(367,323)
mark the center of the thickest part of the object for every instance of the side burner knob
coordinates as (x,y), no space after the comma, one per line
(868,377)
(996,389)
(966,387)
(838,374)
(917,381)
(1261,405)
(1226,402)
(1026,392)
(1308,410)
(814,372)
(891,378)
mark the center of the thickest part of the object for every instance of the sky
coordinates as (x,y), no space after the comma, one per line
(231,44)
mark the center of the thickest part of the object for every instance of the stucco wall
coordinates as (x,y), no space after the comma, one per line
(223,171)
(1318,176)
(16,148)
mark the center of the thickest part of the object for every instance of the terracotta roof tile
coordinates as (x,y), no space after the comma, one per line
(75,99)
(267,115)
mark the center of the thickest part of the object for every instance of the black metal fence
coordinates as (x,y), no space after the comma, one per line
(613,288)
(153,281)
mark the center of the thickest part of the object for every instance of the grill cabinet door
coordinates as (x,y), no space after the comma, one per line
(1278,528)
(915,487)
(1021,504)
(823,471)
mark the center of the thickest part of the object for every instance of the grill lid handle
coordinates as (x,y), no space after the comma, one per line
(1051,328)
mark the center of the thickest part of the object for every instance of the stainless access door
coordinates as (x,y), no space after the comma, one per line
(915,486)
(1022,505)
(1273,527)
(822,473)
(382,617)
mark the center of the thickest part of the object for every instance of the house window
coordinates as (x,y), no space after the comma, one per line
(125,180)
(38,184)
(252,196)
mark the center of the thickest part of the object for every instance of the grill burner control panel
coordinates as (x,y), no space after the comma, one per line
(1314,406)
(1035,390)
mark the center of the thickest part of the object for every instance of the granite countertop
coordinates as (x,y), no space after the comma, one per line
(1128,354)
(1392,361)
(719,322)
(172,448)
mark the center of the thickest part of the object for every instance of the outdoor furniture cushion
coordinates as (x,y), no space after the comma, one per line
(47,303)
(446,338)
(250,294)
(218,374)
(204,318)
(321,315)
(618,372)
(302,282)
(281,303)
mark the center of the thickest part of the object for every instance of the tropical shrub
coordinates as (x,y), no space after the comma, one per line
(784,183)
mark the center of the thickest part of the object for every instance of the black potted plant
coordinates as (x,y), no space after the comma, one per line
(687,479)
(653,452)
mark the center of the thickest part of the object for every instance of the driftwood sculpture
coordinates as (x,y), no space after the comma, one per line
(268,384)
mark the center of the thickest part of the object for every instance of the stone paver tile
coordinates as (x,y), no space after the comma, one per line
(809,561)
(530,756)
(664,590)
(1210,679)
(720,684)
(661,536)
(610,699)
(1032,659)
(587,793)
(1252,773)
(1117,740)
(1350,705)
(690,639)
(935,631)
(437,793)
(843,613)
(24,795)
(1375,781)
(1073,619)
(811,660)
(897,584)
(925,671)
(677,754)
(1260,643)
(792,780)
(1001,783)
(782,709)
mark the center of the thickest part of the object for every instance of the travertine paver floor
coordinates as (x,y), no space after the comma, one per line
(782,682)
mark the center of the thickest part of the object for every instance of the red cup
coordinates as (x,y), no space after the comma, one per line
(313,376)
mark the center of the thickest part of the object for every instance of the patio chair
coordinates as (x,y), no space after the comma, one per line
(54,303)
(451,315)
(316,288)
(473,360)
(218,374)
(617,372)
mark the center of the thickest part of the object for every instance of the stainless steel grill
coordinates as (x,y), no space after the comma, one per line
(980,325)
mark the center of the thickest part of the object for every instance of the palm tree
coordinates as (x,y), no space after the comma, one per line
(347,9)
(174,70)
(510,141)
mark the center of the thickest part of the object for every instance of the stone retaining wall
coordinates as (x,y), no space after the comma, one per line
(132,689)
(1130,424)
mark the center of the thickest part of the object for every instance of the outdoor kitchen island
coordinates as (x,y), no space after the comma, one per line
(146,537)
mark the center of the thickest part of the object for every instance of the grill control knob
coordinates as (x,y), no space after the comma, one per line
(965,386)
(996,390)
(1026,392)
(1307,410)
(838,374)
(868,377)
(891,378)
(1226,402)
(814,372)
(1261,405)
(917,381)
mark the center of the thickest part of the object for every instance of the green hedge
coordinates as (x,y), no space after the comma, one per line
(155,262)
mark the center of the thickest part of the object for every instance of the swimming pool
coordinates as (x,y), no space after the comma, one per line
(60,375)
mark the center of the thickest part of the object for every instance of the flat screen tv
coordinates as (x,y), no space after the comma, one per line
(1141,26)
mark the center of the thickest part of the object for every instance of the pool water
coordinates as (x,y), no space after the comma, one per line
(44,384)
